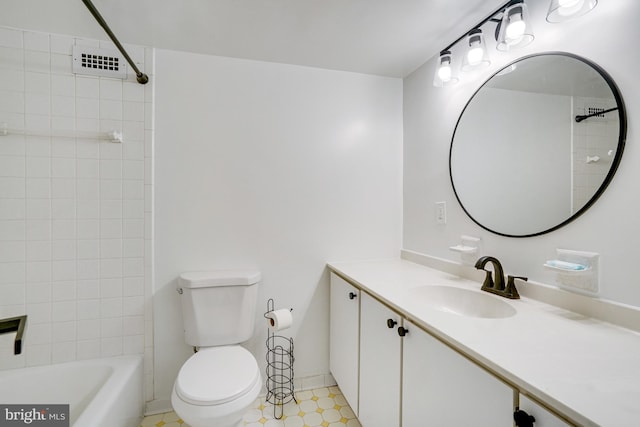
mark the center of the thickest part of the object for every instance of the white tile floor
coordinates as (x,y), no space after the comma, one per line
(322,407)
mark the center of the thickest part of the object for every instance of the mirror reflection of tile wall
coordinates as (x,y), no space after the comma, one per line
(595,137)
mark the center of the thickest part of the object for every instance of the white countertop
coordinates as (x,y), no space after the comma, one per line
(584,368)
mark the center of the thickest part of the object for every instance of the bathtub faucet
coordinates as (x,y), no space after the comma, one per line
(17,325)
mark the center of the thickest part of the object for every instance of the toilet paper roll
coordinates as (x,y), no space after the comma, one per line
(279,319)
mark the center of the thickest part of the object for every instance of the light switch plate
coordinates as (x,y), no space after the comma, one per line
(441,212)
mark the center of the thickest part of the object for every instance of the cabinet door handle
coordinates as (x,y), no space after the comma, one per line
(352,295)
(523,419)
(391,323)
(402,331)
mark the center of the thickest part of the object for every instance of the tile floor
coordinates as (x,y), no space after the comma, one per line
(322,407)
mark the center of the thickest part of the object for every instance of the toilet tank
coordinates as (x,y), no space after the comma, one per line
(218,307)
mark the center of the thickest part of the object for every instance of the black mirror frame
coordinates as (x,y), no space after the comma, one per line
(614,164)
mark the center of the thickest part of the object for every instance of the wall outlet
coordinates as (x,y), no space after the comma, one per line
(441,212)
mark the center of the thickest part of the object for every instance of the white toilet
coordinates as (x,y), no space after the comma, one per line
(217,385)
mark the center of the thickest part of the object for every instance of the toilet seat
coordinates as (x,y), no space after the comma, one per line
(217,375)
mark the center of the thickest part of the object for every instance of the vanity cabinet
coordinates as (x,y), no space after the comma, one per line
(344,332)
(394,374)
(543,417)
(380,364)
(443,388)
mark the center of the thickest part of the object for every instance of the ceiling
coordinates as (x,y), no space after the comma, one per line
(381,37)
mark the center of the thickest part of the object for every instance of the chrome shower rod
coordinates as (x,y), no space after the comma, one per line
(140,76)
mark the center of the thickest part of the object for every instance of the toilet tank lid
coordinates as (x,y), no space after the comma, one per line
(203,279)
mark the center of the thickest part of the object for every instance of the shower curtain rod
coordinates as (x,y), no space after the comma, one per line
(597,113)
(140,76)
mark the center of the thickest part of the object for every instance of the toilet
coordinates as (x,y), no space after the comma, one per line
(219,382)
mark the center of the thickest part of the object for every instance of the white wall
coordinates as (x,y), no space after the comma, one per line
(610,227)
(73,211)
(276,167)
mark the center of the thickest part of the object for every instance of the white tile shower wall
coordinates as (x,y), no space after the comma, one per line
(594,137)
(75,214)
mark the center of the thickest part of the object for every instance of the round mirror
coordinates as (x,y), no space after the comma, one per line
(537,144)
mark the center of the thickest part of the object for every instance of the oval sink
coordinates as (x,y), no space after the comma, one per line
(463,302)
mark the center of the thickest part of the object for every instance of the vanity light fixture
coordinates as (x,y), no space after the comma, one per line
(476,56)
(562,10)
(513,31)
(515,27)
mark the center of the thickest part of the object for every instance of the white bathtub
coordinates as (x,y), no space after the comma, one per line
(100,392)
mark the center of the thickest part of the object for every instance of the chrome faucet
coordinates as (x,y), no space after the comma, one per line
(497,286)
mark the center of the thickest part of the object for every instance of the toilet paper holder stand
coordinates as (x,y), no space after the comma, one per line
(279,384)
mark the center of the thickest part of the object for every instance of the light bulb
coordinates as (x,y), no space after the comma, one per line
(474,55)
(568,3)
(569,7)
(444,75)
(563,10)
(444,72)
(515,29)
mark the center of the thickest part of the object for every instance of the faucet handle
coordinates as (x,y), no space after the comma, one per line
(511,291)
(488,281)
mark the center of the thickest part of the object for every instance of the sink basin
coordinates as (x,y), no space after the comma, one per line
(463,302)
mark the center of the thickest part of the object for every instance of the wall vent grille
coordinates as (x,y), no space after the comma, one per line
(98,62)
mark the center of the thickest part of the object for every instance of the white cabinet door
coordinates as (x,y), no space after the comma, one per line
(543,418)
(442,388)
(344,329)
(380,364)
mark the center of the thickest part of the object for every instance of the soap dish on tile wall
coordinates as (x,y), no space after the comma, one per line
(469,249)
(576,270)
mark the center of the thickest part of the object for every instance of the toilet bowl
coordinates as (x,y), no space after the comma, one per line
(216,386)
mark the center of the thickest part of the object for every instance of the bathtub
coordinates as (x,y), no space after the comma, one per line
(100,392)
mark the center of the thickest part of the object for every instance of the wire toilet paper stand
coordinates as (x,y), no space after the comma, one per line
(279,368)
